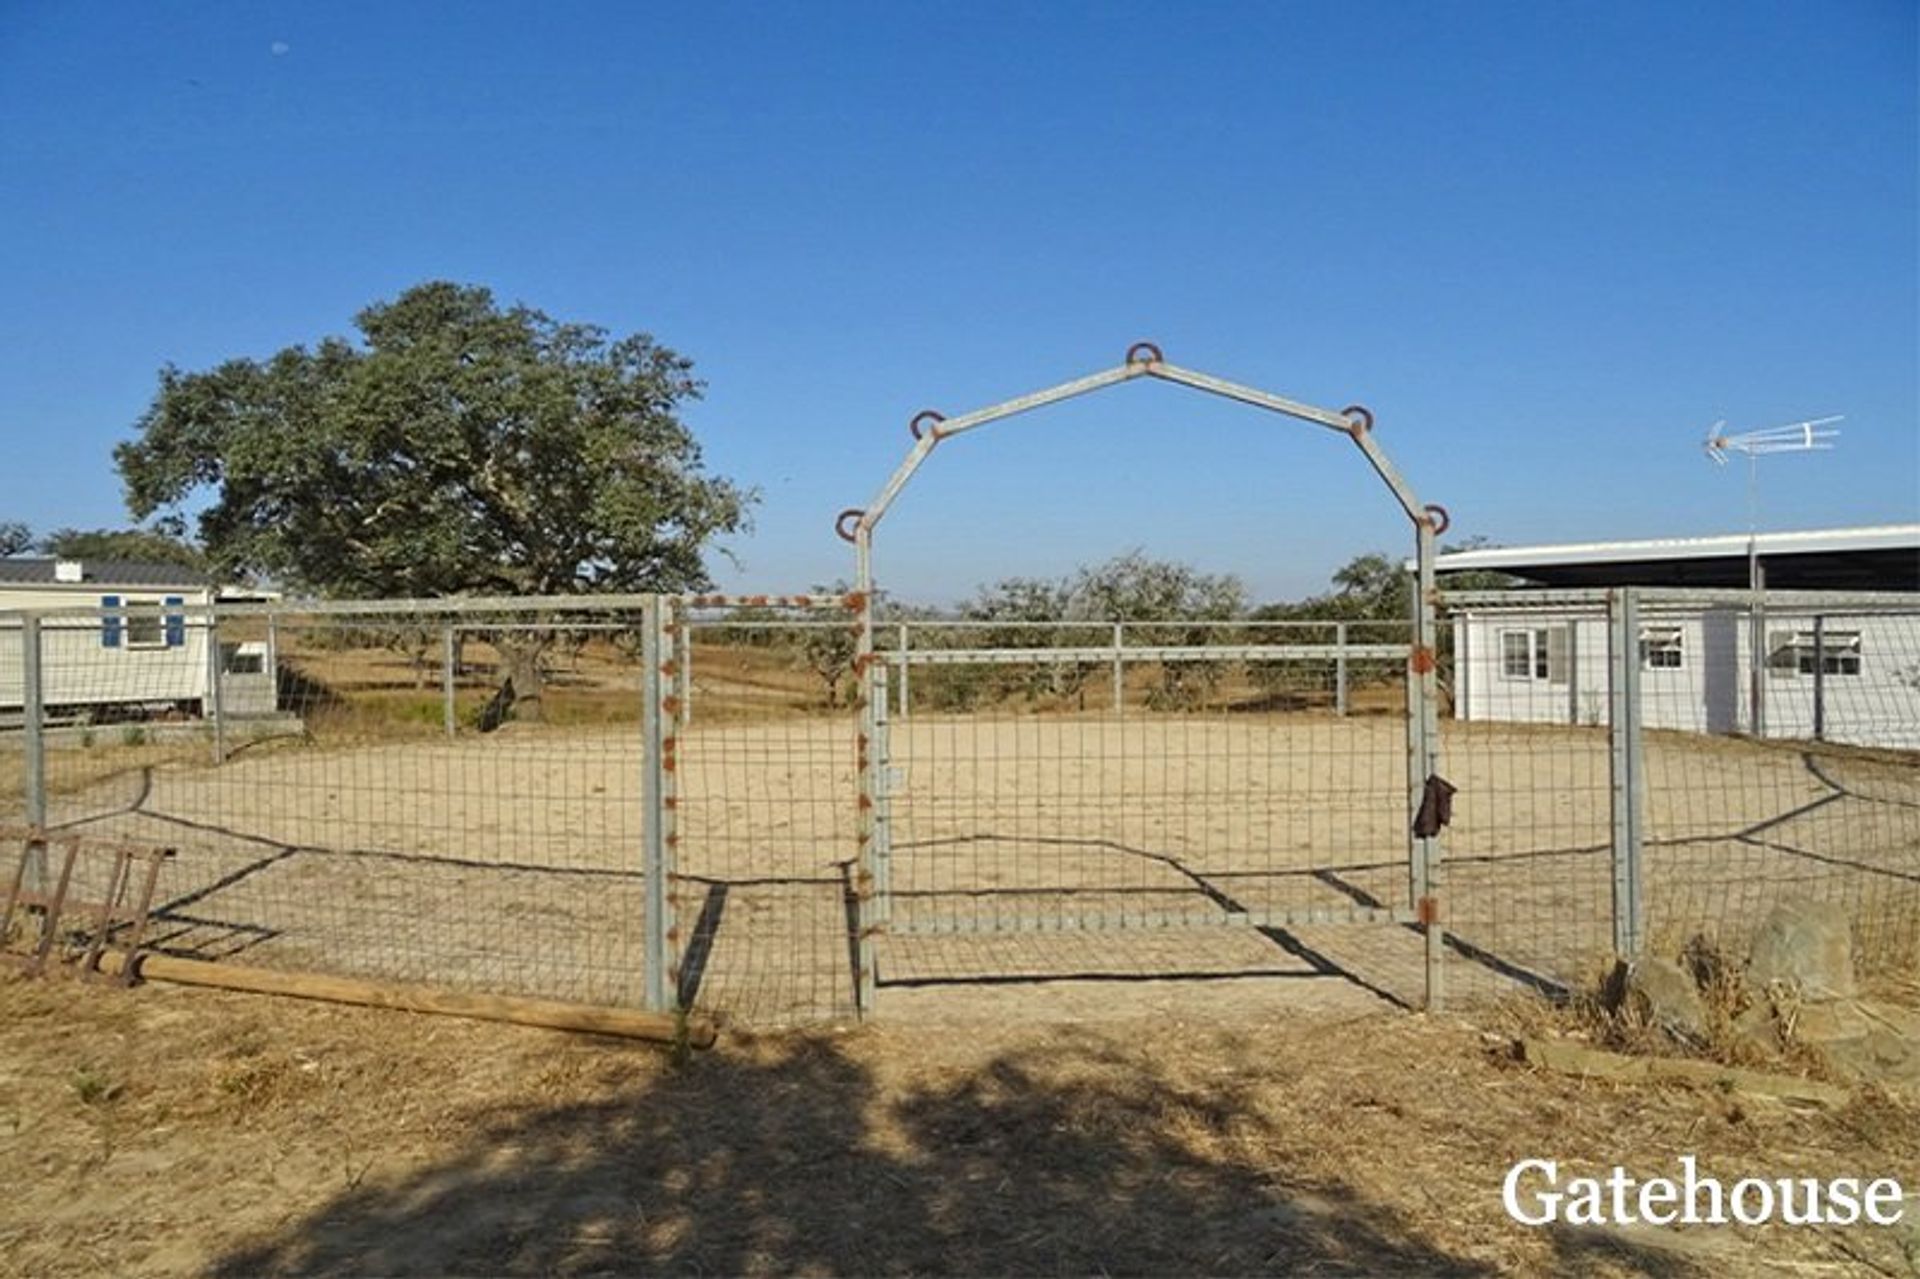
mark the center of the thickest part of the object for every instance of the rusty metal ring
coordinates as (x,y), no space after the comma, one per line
(1438,517)
(1360,411)
(933,417)
(840,521)
(1152,353)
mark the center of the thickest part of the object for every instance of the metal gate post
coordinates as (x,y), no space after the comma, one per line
(905,667)
(1626,768)
(447,677)
(1819,677)
(882,802)
(1423,734)
(212,704)
(1119,669)
(33,711)
(866,879)
(683,671)
(1340,668)
(655,766)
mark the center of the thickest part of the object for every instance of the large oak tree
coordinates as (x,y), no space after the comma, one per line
(456,447)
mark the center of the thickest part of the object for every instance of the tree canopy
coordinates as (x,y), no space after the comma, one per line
(153,546)
(15,537)
(456,447)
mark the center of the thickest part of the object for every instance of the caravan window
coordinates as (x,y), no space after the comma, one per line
(1660,648)
(1792,653)
(145,627)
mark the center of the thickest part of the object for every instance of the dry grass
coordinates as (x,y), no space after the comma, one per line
(236,1135)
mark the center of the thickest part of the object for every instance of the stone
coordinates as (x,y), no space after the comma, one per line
(1871,1041)
(1757,1029)
(1664,992)
(1808,945)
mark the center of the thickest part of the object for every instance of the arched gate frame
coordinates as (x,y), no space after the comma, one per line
(1144,360)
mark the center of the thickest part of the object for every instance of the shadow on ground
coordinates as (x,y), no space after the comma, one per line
(791,1156)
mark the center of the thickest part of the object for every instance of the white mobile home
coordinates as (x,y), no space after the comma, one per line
(1839,655)
(121,638)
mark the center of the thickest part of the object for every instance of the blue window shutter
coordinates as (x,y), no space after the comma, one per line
(110,622)
(176,622)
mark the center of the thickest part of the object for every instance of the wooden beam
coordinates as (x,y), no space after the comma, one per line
(696,1031)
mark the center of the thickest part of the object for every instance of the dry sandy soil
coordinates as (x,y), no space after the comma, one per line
(163,1131)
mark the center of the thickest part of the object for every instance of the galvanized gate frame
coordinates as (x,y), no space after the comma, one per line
(1144,359)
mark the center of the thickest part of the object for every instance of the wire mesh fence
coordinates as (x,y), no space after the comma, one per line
(1772,758)
(474,795)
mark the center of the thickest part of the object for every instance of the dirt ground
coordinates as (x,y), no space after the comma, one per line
(511,861)
(164,1131)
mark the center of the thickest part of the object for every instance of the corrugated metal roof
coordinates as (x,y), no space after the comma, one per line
(1883,557)
(39,572)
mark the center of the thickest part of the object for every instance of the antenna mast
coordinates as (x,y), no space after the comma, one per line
(1811,436)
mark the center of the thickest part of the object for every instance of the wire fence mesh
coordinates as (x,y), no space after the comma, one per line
(457,793)
(1768,771)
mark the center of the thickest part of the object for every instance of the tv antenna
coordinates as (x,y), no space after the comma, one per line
(1814,435)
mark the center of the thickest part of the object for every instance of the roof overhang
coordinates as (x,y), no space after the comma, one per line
(1885,558)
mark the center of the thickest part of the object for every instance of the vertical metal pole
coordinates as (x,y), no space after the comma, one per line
(683,670)
(1625,768)
(273,660)
(1423,729)
(212,705)
(660,993)
(1820,677)
(447,674)
(882,803)
(1119,669)
(905,642)
(866,975)
(1340,668)
(33,711)
(1573,671)
(1757,650)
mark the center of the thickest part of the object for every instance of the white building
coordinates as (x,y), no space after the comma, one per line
(124,636)
(1839,638)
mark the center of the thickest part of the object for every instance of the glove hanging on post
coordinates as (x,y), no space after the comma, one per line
(1436,807)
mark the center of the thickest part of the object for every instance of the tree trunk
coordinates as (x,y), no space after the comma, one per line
(521,691)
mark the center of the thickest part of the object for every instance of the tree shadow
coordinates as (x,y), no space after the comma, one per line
(791,1156)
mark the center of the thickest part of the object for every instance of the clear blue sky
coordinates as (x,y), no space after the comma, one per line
(1548,244)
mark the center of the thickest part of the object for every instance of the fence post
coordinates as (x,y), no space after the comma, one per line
(1340,668)
(1119,670)
(1820,677)
(448,673)
(212,704)
(1628,783)
(882,802)
(1423,757)
(660,992)
(683,671)
(1757,653)
(33,711)
(904,668)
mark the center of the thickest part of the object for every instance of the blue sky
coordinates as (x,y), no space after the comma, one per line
(1548,244)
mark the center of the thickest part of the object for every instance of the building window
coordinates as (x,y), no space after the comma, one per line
(1660,648)
(1534,655)
(1792,653)
(1516,654)
(146,627)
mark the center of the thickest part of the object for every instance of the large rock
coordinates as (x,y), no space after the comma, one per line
(1665,995)
(1808,945)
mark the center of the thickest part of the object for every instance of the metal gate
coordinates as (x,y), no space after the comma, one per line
(1188,809)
